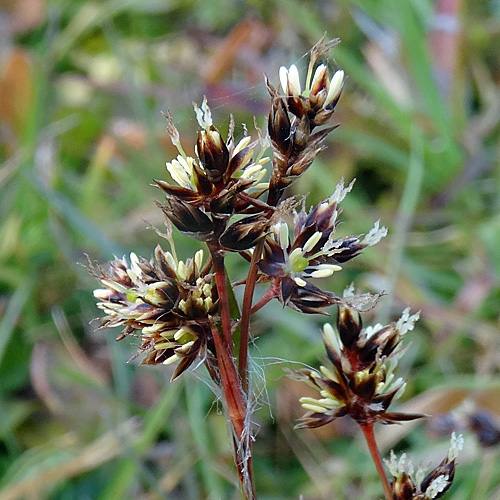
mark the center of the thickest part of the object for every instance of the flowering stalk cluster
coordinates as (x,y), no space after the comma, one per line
(223,196)
(409,484)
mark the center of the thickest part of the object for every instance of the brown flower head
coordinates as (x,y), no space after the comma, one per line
(361,382)
(411,485)
(312,252)
(294,116)
(219,171)
(320,95)
(168,302)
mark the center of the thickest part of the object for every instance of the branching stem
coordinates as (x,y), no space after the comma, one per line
(220,281)
(372,446)
(270,294)
(246,313)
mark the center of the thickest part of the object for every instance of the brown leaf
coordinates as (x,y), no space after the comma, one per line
(16,90)
(248,35)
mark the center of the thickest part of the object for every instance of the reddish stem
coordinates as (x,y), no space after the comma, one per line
(372,446)
(236,409)
(271,292)
(220,281)
(246,312)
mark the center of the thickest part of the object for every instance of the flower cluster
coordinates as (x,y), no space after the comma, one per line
(170,302)
(361,382)
(223,196)
(294,116)
(313,252)
(409,484)
(222,179)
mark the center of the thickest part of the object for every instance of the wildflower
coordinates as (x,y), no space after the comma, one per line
(409,484)
(218,169)
(168,302)
(294,116)
(361,382)
(312,253)
(319,97)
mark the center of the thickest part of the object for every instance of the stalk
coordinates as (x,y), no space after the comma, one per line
(270,294)
(246,313)
(231,382)
(236,409)
(372,446)
(220,281)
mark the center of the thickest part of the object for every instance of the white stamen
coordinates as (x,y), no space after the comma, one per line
(314,408)
(198,259)
(401,390)
(328,373)
(171,359)
(171,261)
(299,281)
(283,234)
(185,347)
(322,273)
(295,255)
(318,74)
(294,80)
(241,145)
(182,270)
(180,332)
(284,79)
(331,338)
(312,241)
(335,86)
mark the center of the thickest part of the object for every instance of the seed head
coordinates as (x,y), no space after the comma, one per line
(167,302)
(411,485)
(361,382)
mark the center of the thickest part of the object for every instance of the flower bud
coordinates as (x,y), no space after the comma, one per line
(213,153)
(349,326)
(335,88)
(188,219)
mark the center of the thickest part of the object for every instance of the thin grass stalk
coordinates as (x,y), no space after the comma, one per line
(374,452)
(270,294)
(220,281)
(237,412)
(246,313)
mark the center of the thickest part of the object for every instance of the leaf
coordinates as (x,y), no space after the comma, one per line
(16,90)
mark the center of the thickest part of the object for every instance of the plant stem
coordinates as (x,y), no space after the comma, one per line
(246,312)
(220,281)
(271,292)
(372,446)
(231,383)
(236,408)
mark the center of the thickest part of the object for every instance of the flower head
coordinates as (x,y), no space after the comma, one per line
(321,94)
(361,382)
(294,115)
(168,302)
(311,251)
(211,182)
(409,484)
(216,167)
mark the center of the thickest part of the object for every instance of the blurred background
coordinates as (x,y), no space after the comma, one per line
(82,85)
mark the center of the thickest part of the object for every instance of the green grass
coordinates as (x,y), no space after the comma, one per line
(82,137)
